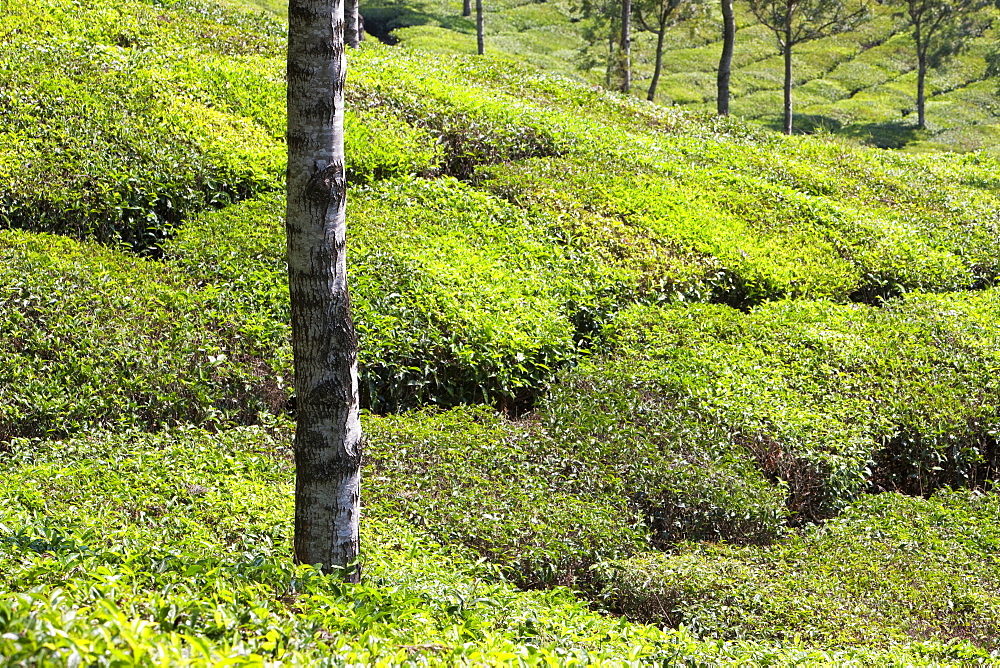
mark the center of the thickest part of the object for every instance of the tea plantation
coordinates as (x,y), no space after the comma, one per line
(860,84)
(642,386)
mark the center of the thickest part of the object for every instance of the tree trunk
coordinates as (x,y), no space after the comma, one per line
(480,29)
(787,49)
(328,428)
(921,77)
(612,63)
(651,95)
(625,47)
(466,7)
(726,61)
(352,24)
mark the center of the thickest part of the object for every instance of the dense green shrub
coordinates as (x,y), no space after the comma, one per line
(596,474)
(890,569)
(471,478)
(100,138)
(121,120)
(458,295)
(579,208)
(140,549)
(830,400)
(93,337)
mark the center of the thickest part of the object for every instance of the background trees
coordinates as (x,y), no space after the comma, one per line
(328,427)
(604,19)
(940,29)
(797,21)
(658,16)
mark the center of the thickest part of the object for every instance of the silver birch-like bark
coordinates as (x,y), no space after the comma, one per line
(353,33)
(625,47)
(328,429)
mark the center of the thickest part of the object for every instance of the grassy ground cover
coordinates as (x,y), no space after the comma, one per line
(522,241)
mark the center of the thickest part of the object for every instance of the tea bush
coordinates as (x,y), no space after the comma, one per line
(891,568)
(96,338)
(457,296)
(779,232)
(547,498)
(145,549)
(121,120)
(828,400)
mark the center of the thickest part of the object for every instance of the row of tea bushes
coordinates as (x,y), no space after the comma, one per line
(121,120)
(151,549)
(458,295)
(889,569)
(91,337)
(828,400)
(461,297)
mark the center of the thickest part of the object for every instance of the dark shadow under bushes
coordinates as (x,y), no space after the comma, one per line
(919,464)
(887,135)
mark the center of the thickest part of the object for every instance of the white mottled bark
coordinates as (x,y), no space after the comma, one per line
(353,31)
(328,428)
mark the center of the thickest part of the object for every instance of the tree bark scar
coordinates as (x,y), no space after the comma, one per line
(327,187)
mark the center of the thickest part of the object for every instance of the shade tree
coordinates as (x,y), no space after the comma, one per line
(941,28)
(328,439)
(657,17)
(796,21)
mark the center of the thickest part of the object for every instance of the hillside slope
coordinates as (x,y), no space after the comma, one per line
(702,341)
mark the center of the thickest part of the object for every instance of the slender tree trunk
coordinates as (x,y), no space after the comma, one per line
(328,429)
(353,33)
(921,78)
(787,50)
(726,61)
(651,95)
(466,7)
(625,47)
(612,63)
(480,29)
